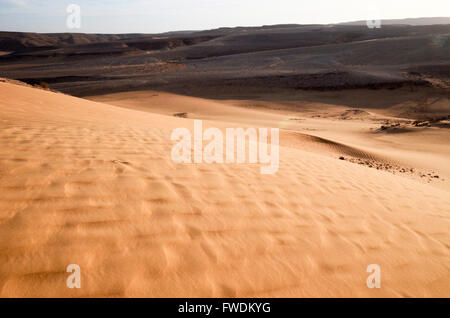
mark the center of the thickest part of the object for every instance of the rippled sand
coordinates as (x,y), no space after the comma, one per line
(93,184)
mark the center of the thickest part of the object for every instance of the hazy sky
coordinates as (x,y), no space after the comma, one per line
(151,16)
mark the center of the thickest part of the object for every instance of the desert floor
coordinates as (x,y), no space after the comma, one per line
(91,182)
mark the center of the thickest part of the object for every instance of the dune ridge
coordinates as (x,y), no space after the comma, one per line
(333,130)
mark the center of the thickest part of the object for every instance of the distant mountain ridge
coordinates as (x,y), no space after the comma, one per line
(292,57)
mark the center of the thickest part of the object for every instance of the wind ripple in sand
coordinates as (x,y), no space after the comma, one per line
(91,184)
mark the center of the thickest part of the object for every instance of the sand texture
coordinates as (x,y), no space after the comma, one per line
(88,183)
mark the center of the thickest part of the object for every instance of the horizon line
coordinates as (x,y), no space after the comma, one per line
(242,26)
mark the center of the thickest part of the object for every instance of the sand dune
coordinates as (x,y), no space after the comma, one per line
(328,129)
(93,184)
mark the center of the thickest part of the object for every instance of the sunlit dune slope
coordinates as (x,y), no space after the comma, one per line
(93,184)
